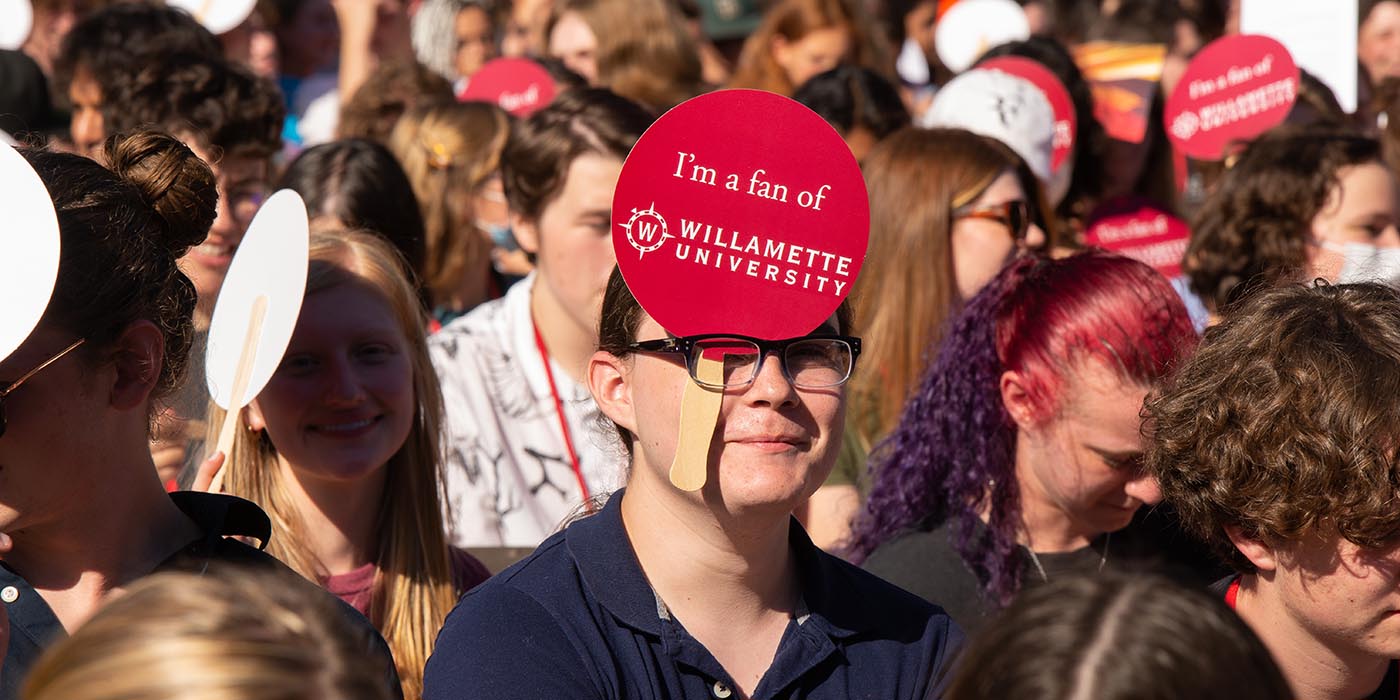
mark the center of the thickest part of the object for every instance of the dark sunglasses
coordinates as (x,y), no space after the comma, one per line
(1015,215)
(25,377)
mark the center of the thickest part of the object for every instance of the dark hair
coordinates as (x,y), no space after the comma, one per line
(1284,424)
(952,455)
(220,104)
(116,42)
(1118,636)
(541,149)
(1087,181)
(1253,228)
(562,76)
(850,97)
(122,231)
(362,185)
(390,90)
(622,315)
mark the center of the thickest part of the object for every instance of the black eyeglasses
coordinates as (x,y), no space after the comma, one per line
(26,376)
(809,362)
(1014,215)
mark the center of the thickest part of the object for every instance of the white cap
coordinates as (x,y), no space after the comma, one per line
(1009,109)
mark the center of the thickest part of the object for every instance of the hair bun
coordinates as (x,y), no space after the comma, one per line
(177,185)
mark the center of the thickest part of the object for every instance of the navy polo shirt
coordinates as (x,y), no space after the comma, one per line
(577,619)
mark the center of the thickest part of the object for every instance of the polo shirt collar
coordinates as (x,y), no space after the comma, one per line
(603,553)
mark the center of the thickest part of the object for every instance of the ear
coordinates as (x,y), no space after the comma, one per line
(138,355)
(1017,400)
(1259,553)
(526,232)
(607,380)
(253,417)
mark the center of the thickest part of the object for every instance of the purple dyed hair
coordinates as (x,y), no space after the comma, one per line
(952,456)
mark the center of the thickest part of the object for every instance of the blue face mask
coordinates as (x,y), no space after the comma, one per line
(500,235)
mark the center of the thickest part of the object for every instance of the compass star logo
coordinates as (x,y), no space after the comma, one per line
(646,230)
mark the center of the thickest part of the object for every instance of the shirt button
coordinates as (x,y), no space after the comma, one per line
(10,594)
(721,690)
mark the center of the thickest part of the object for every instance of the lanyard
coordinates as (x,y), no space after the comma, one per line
(559,411)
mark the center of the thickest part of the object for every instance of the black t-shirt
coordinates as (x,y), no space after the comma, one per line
(34,627)
(924,562)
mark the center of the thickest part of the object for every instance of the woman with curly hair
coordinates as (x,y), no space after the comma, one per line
(1019,452)
(1298,205)
(799,39)
(1276,443)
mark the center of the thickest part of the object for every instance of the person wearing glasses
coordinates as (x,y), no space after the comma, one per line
(232,120)
(83,512)
(1019,452)
(948,208)
(715,593)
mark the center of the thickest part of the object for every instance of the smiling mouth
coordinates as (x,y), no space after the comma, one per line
(214,253)
(353,428)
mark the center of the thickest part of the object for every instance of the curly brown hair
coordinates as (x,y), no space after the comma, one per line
(1253,229)
(224,107)
(1285,422)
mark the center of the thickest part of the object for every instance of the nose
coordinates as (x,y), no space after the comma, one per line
(771,387)
(1389,238)
(1035,237)
(1145,488)
(86,129)
(343,385)
(225,224)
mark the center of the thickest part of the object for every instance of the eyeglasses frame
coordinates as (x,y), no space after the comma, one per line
(1000,213)
(683,345)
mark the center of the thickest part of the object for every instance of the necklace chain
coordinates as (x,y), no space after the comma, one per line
(1103,558)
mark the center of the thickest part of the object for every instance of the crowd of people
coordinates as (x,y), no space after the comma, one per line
(1021,460)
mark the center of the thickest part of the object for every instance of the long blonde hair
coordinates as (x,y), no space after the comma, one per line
(413,586)
(448,151)
(906,291)
(794,19)
(232,634)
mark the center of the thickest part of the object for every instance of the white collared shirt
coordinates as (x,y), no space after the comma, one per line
(509,481)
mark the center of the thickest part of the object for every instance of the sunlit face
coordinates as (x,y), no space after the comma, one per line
(342,402)
(573,239)
(1084,462)
(773,444)
(86,127)
(573,42)
(1362,208)
(1378,41)
(817,52)
(1345,596)
(476,40)
(981,247)
(243,184)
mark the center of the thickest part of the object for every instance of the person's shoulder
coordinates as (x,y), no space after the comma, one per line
(483,324)
(511,637)
(878,599)
(916,553)
(467,571)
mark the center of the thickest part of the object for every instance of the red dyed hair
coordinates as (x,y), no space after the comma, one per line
(1089,306)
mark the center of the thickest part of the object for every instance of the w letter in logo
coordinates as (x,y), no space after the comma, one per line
(646,230)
